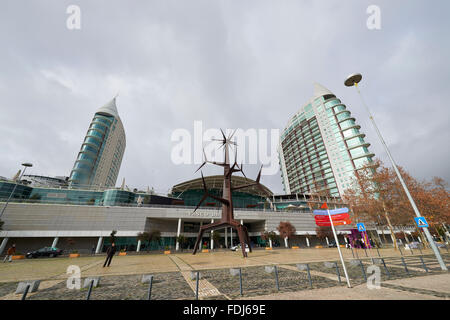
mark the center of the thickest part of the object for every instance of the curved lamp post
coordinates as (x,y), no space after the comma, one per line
(25,165)
(353,80)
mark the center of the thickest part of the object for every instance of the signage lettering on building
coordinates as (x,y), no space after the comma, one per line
(205,214)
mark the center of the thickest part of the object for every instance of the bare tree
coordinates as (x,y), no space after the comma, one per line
(286,230)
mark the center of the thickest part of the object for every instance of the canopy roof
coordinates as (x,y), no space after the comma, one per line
(216,182)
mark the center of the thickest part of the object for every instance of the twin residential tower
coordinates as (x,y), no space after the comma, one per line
(321,147)
(101,153)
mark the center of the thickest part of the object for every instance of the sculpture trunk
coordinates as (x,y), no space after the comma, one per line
(227,219)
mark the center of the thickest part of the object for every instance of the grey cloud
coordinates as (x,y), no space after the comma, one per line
(231,64)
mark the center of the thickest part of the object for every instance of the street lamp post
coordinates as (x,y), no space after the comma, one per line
(351,81)
(25,165)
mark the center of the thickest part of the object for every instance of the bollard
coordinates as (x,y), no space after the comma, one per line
(149,294)
(363,271)
(32,286)
(196,286)
(337,272)
(90,289)
(385,268)
(240,280)
(404,264)
(25,292)
(423,264)
(276,278)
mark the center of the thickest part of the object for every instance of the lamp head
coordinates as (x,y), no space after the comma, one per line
(353,79)
(27,164)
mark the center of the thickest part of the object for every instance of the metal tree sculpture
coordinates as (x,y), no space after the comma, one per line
(227,219)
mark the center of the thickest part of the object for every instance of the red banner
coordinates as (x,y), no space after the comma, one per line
(336,217)
(335,223)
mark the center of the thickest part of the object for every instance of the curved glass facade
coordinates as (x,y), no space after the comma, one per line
(100,156)
(113,196)
(322,147)
(240,199)
(87,160)
(21,192)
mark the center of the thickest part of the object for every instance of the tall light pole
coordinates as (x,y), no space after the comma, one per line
(353,80)
(25,165)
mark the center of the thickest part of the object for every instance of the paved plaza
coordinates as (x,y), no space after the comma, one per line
(413,277)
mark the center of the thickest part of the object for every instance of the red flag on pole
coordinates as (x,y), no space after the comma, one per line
(324,206)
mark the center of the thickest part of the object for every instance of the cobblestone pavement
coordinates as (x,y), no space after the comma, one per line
(221,284)
(166,286)
(412,288)
(7,288)
(393,267)
(256,281)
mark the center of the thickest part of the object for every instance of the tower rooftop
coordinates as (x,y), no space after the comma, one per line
(320,90)
(110,108)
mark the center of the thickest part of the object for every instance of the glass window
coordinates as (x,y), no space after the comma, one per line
(358,151)
(339,108)
(331,103)
(98,126)
(351,132)
(355,141)
(92,141)
(343,115)
(359,163)
(347,123)
(95,133)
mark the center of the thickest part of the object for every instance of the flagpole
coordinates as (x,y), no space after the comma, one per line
(339,248)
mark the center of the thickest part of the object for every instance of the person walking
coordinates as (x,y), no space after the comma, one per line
(11,251)
(93,249)
(109,254)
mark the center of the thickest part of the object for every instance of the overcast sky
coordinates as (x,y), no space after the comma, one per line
(231,64)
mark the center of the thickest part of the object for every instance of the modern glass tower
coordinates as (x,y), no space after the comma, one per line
(100,156)
(321,147)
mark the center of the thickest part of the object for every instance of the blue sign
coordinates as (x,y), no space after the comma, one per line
(421,222)
(332,212)
(361,227)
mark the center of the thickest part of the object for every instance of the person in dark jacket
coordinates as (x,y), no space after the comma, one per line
(109,254)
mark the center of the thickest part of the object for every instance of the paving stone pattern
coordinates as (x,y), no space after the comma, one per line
(166,286)
(7,288)
(396,269)
(256,281)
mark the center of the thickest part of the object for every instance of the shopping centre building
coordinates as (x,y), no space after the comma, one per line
(76,219)
(80,211)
